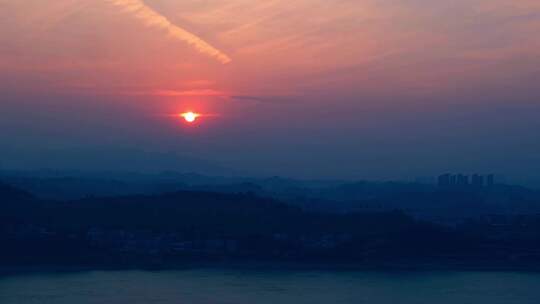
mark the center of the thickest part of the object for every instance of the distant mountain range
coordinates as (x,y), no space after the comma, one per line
(421,200)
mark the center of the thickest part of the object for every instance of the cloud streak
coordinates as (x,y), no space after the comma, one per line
(151,18)
(220,94)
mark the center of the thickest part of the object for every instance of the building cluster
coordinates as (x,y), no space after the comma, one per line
(145,242)
(462,180)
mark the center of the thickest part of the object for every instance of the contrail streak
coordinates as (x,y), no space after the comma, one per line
(153,19)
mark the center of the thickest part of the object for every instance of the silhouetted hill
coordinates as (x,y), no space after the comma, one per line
(207,213)
(9,194)
(16,206)
(188,225)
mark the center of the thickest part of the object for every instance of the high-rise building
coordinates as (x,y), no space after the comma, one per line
(444,180)
(462,180)
(453,180)
(477,181)
(490,180)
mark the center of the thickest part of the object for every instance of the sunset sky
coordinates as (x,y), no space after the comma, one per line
(377,89)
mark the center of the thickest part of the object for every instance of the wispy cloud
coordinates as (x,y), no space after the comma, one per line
(203,92)
(218,94)
(172,93)
(152,18)
(267,99)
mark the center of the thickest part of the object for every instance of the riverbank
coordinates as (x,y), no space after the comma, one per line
(402,266)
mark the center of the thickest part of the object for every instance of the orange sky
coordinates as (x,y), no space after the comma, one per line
(289,61)
(276,47)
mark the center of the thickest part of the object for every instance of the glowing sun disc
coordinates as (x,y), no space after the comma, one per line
(190,116)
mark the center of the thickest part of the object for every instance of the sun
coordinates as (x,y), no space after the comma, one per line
(190,117)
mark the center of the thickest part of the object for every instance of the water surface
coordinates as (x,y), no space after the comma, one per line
(269,287)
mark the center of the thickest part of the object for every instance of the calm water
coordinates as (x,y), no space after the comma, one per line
(274,287)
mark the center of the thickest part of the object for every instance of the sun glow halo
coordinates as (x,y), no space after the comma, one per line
(190,117)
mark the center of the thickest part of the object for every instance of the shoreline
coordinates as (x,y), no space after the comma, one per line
(275,266)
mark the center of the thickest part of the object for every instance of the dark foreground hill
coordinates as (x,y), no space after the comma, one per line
(183,227)
(10,194)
